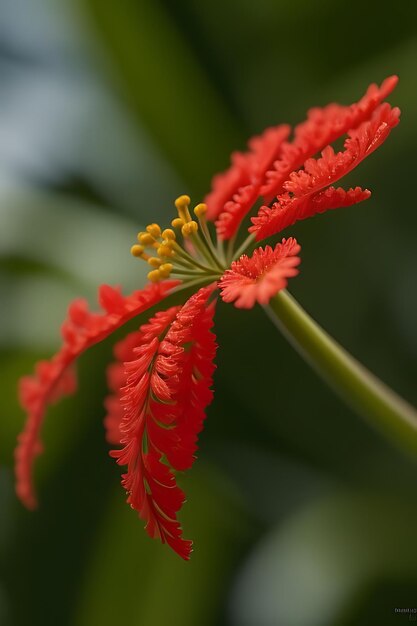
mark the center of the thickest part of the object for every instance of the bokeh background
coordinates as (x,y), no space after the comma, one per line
(302,514)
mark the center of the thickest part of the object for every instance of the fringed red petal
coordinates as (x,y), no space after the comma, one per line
(235,191)
(291,209)
(116,378)
(167,388)
(321,172)
(235,210)
(265,169)
(194,392)
(55,378)
(302,197)
(258,278)
(225,185)
(322,127)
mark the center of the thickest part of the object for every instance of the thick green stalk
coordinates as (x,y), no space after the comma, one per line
(352,381)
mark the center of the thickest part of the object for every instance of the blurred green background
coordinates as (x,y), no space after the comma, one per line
(302,515)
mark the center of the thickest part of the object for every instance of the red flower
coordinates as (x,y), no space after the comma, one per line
(161,380)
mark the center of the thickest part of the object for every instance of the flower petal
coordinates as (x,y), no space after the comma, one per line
(258,278)
(319,173)
(165,393)
(235,210)
(235,191)
(322,127)
(289,210)
(55,378)
(116,378)
(300,200)
(267,166)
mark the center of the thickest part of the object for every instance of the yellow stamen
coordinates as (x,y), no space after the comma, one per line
(171,256)
(165,270)
(189,229)
(178,222)
(200,209)
(154,230)
(165,250)
(154,261)
(137,250)
(168,234)
(182,203)
(146,239)
(154,276)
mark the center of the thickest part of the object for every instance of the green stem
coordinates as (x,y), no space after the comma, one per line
(206,237)
(186,257)
(205,250)
(188,284)
(195,273)
(352,381)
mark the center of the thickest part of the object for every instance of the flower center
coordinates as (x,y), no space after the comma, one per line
(197,256)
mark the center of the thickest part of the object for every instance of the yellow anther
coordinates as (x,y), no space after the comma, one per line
(154,261)
(189,229)
(182,202)
(154,276)
(146,239)
(168,233)
(178,222)
(137,250)
(165,270)
(200,209)
(165,250)
(154,230)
